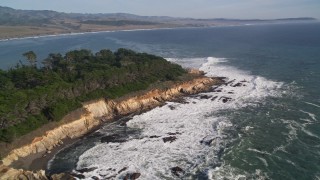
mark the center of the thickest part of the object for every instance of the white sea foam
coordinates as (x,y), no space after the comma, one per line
(264,161)
(200,134)
(228,172)
(311,115)
(312,104)
(258,151)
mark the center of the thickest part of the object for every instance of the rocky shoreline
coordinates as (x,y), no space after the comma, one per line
(95,113)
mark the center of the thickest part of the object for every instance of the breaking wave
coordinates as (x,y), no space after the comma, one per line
(181,139)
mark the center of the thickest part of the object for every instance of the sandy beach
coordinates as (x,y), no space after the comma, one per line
(28,32)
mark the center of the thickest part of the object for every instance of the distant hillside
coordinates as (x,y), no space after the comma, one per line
(21,23)
(13,17)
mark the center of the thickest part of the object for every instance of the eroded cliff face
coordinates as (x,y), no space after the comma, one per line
(97,112)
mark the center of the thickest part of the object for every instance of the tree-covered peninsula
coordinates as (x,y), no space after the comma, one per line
(32,96)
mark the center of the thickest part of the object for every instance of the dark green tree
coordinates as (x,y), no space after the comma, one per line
(31,96)
(31,57)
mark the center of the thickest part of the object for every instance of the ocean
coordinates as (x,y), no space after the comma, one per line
(263,124)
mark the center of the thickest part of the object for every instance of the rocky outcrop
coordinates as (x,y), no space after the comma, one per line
(8,173)
(97,112)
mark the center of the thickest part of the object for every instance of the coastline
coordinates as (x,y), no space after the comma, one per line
(21,37)
(98,112)
(35,36)
(106,30)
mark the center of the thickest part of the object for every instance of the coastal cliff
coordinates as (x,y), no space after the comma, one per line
(95,113)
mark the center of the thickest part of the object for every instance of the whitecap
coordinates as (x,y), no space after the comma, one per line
(311,115)
(258,151)
(264,161)
(315,105)
(199,134)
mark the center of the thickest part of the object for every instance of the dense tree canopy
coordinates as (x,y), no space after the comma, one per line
(31,96)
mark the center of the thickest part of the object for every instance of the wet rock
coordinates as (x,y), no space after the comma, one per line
(177,171)
(205,97)
(225,99)
(230,92)
(214,98)
(110,169)
(229,82)
(237,85)
(123,169)
(123,124)
(95,178)
(206,142)
(80,176)
(221,78)
(169,139)
(172,107)
(154,136)
(212,89)
(171,134)
(132,176)
(216,89)
(110,177)
(194,102)
(181,101)
(86,170)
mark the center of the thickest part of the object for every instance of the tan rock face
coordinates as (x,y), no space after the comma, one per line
(7,173)
(90,120)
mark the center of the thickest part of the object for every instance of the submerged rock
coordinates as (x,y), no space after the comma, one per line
(169,139)
(171,134)
(154,136)
(214,98)
(123,169)
(110,177)
(237,85)
(206,142)
(177,171)
(172,107)
(86,170)
(80,176)
(205,97)
(123,124)
(229,82)
(94,178)
(217,90)
(225,99)
(112,138)
(132,176)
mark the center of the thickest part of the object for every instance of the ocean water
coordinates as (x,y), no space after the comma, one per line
(262,124)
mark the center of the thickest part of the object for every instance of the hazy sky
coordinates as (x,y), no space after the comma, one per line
(180,8)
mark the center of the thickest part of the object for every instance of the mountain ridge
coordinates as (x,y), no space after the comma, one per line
(55,14)
(16,23)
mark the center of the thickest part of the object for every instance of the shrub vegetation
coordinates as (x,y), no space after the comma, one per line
(32,96)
